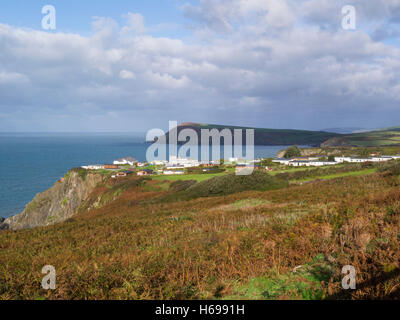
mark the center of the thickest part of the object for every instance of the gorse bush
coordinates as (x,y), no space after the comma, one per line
(223,185)
(310,173)
(232,183)
(244,245)
(390,168)
(180,185)
(293,151)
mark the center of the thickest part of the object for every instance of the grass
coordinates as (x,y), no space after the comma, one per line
(373,139)
(297,169)
(292,169)
(204,177)
(340,175)
(303,283)
(197,177)
(245,204)
(241,245)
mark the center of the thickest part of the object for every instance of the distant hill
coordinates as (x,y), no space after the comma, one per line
(347,130)
(378,138)
(269,137)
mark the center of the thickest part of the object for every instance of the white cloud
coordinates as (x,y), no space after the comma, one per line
(12,78)
(263,63)
(127,75)
(135,24)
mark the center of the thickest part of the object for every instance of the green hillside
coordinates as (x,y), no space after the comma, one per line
(270,136)
(379,138)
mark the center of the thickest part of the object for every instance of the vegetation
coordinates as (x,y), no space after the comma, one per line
(293,151)
(228,184)
(224,242)
(379,138)
(269,136)
(339,175)
(199,170)
(82,173)
(181,185)
(304,283)
(323,171)
(196,177)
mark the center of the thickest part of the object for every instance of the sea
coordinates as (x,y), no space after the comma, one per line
(32,162)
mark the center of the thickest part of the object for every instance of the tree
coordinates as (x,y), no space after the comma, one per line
(291,152)
(331,158)
(365,152)
(267,162)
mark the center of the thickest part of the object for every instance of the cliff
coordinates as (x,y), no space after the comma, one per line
(58,203)
(336,142)
(316,152)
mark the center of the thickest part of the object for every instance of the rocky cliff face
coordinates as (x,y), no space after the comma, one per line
(335,142)
(317,152)
(56,204)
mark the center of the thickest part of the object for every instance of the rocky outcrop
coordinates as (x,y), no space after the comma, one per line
(317,152)
(335,142)
(3,225)
(58,203)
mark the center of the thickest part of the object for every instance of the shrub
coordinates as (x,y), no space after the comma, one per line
(316,172)
(291,152)
(390,168)
(232,183)
(180,185)
(82,173)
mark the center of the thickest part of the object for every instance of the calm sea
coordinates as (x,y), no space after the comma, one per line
(31,162)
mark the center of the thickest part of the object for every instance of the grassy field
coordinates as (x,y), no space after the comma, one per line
(389,137)
(289,243)
(204,177)
(196,177)
(339,175)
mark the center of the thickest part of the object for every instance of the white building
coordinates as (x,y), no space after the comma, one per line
(359,160)
(159,162)
(169,166)
(93,167)
(141,164)
(127,160)
(299,163)
(182,162)
(170,172)
(322,163)
(342,159)
(282,161)
(381,159)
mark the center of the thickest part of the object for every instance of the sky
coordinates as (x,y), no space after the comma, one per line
(120,66)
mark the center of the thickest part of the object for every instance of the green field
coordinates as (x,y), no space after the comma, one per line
(380,138)
(204,177)
(197,177)
(266,136)
(339,175)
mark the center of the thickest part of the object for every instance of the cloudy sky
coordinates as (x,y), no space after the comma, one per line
(133,65)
